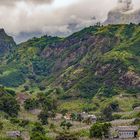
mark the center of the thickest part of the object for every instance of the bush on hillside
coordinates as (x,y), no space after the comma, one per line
(9,105)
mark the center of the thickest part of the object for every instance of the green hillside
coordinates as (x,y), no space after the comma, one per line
(98,61)
(96,70)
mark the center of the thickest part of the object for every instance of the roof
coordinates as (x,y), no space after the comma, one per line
(127,128)
(13,133)
(137,108)
(92,116)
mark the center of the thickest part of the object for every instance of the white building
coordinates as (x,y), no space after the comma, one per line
(86,116)
(125,132)
(13,134)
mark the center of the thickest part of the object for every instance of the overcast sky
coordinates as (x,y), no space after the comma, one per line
(54,17)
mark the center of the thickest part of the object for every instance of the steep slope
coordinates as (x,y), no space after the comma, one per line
(109,65)
(101,61)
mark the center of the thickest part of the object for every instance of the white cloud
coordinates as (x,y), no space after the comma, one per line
(52,17)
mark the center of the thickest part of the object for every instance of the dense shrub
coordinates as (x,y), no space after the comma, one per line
(38,136)
(100,130)
(9,105)
(13,79)
(10,91)
(41,87)
(108,110)
(26,87)
(24,123)
(1,125)
(38,128)
(31,104)
(14,121)
(43,117)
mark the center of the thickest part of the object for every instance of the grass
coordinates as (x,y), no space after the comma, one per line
(72,105)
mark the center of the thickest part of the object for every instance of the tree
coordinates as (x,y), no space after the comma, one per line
(38,132)
(1,125)
(79,118)
(52,114)
(24,123)
(88,121)
(14,120)
(100,130)
(47,103)
(31,104)
(108,110)
(66,125)
(10,91)
(107,114)
(63,125)
(64,112)
(9,105)
(73,116)
(38,128)
(43,117)
(52,126)
(41,87)
(37,136)
(26,87)
(59,91)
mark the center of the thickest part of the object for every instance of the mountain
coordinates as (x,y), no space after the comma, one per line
(96,61)
(6,42)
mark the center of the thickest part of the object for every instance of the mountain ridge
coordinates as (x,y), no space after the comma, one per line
(84,64)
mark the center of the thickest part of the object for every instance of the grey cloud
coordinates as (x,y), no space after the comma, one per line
(39,1)
(13,2)
(8,2)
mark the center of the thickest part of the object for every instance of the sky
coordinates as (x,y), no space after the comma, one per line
(27,18)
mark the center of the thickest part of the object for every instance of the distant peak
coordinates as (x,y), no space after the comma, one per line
(2,30)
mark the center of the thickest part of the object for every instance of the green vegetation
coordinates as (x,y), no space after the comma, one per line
(100,130)
(31,104)
(9,105)
(13,79)
(66,125)
(95,70)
